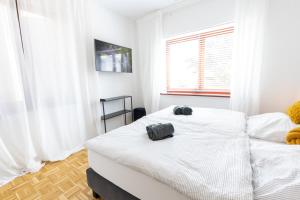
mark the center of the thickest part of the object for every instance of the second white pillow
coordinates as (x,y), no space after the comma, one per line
(270,126)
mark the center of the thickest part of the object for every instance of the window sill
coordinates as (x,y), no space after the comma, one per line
(206,94)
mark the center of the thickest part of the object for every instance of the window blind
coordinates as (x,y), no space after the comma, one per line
(200,62)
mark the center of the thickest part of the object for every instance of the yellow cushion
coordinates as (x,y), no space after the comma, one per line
(294,112)
(293,136)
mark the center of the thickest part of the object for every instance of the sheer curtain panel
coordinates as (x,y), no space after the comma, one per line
(17,154)
(151,59)
(45,110)
(248,55)
(54,37)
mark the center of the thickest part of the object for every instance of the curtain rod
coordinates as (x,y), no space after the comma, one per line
(19,23)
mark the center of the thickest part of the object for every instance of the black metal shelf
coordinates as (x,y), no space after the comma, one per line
(115,114)
(114,98)
(105,116)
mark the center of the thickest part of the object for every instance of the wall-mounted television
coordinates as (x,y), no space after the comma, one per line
(112,58)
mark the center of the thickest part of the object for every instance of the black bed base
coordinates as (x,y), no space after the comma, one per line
(105,189)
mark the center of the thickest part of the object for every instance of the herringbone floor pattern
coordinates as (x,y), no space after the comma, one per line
(56,180)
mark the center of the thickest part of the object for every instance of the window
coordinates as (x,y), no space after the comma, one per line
(200,63)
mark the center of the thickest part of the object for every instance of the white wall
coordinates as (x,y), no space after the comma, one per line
(194,17)
(197,16)
(280,83)
(196,101)
(110,27)
(280,76)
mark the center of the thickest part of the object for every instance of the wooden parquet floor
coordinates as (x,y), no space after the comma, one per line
(56,180)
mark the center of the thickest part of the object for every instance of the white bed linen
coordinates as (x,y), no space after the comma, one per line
(208,157)
(276,170)
(218,121)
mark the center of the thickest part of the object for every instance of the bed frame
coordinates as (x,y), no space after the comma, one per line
(105,189)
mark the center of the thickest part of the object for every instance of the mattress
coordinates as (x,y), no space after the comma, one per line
(136,183)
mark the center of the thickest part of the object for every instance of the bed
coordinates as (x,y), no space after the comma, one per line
(210,157)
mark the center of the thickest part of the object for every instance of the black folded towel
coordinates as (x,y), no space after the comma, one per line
(182,110)
(160,131)
(187,110)
(177,110)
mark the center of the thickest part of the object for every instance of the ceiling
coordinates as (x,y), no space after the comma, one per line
(136,8)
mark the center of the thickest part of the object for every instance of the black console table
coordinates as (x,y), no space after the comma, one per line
(105,116)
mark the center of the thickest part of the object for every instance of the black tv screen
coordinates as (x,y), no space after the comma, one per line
(112,58)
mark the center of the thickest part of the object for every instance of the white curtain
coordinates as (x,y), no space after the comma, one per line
(17,154)
(56,75)
(44,105)
(248,55)
(150,50)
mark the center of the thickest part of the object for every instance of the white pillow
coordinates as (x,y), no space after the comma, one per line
(270,126)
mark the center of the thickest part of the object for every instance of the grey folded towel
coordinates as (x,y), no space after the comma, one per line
(182,110)
(177,110)
(160,131)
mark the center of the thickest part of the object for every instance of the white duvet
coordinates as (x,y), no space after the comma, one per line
(276,170)
(207,159)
